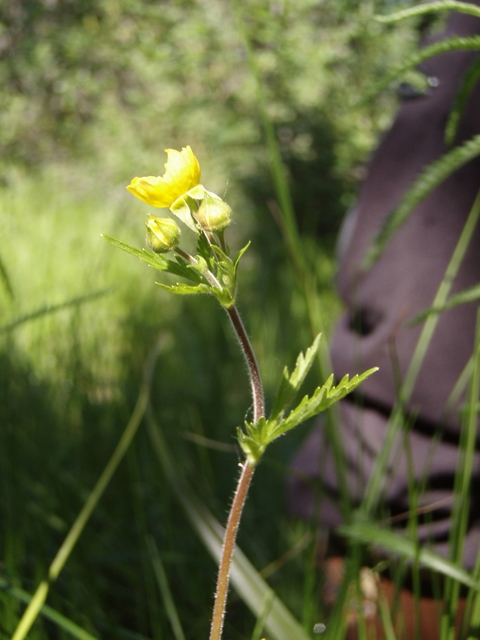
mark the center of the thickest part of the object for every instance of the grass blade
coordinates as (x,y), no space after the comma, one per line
(165,590)
(431,177)
(47,612)
(48,309)
(374,487)
(467,295)
(463,479)
(397,545)
(32,611)
(468,83)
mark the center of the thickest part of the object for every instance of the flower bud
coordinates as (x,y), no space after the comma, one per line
(213,214)
(163,234)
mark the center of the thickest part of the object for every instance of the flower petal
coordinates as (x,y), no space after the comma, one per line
(182,173)
(152,190)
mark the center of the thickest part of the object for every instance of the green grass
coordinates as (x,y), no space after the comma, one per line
(78,320)
(74,340)
(70,375)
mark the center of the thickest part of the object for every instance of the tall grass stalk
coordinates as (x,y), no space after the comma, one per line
(461,505)
(375,485)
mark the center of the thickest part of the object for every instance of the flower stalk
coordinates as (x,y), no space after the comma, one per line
(212,271)
(244,481)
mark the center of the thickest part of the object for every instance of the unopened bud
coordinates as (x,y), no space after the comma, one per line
(163,234)
(213,214)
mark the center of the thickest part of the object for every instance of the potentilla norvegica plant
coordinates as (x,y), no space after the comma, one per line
(212,271)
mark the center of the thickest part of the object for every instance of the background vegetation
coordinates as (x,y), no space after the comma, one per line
(92,92)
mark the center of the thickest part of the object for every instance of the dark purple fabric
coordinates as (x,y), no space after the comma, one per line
(374,332)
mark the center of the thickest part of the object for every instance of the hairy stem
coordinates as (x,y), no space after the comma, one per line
(231,529)
(243,485)
(254,373)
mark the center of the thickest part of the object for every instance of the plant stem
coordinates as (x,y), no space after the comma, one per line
(254,373)
(244,481)
(230,536)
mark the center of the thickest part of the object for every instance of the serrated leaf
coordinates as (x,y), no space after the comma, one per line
(369,533)
(157,261)
(259,434)
(467,295)
(186,289)
(428,180)
(291,383)
(322,399)
(431,7)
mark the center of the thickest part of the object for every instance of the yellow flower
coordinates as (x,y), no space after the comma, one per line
(182,173)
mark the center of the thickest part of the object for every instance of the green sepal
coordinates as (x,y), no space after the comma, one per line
(158,261)
(182,208)
(291,383)
(185,289)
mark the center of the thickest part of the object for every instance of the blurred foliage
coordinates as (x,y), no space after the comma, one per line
(114,81)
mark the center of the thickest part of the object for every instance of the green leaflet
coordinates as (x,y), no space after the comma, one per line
(211,263)
(204,251)
(158,261)
(257,436)
(291,383)
(240,255)
(185,289)
(324,397)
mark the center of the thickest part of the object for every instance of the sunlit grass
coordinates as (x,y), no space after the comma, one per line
(70,377)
